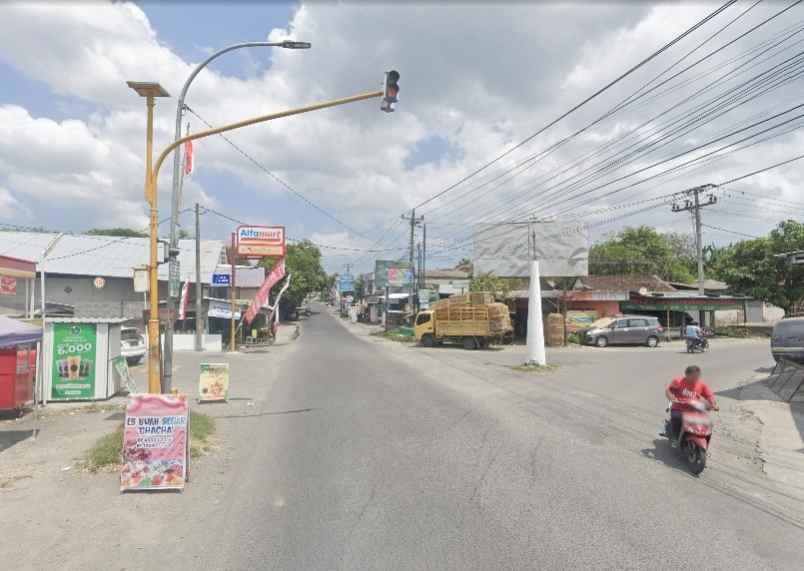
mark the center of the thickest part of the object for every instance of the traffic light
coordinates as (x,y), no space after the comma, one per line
(390,91)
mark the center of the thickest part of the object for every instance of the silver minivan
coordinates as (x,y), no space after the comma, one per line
(624,330)
(787,339)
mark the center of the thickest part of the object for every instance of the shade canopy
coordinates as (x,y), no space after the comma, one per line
(14,332)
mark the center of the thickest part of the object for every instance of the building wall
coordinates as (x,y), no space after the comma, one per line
(603,308)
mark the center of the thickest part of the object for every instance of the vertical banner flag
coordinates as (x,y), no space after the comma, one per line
(277,273)
(185,296)
(189,162)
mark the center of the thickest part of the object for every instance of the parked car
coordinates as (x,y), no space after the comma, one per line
(624,330)
(787,340)
(132,345)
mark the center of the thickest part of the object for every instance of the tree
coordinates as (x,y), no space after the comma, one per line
(303,260)
(360,287)
(122,232)
(643,250)
(491,283)
(752,268)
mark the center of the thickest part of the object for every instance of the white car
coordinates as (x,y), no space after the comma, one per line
(132,345)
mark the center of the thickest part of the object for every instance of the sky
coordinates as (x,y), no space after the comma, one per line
(476,80)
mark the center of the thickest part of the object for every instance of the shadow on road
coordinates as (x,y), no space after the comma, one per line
(9,438)
(270,413)
(662,452)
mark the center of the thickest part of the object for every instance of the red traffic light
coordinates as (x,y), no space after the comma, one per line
(391,86)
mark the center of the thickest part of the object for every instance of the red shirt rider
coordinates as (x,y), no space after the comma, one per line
(682,390)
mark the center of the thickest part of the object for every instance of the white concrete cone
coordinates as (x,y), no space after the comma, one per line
(536,353)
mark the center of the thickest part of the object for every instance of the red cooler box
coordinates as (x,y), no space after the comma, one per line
(16,377)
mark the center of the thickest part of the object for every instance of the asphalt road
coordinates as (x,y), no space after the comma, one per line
(389,457)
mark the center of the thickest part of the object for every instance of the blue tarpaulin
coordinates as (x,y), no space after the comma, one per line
(14,332)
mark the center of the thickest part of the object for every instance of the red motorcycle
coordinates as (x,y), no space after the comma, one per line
(696,432)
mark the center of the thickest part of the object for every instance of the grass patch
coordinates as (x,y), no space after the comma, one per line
(535,369)
(104,456)
(394,335)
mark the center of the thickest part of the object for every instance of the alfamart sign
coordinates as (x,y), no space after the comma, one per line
(260,241)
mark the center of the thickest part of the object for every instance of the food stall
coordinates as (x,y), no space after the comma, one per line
(79,355)
(17,363)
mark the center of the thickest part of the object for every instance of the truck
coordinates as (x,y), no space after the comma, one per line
(473,321)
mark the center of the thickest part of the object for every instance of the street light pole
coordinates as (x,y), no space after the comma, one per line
(175,199)
(150,91)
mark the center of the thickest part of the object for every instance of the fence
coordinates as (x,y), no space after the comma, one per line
(787,380)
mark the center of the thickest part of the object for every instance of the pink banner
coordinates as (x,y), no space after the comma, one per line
(185,296)
(155,442)
(262,295)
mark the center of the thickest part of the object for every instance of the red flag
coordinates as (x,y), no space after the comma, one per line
(262,295)
(188,158)
(185,297)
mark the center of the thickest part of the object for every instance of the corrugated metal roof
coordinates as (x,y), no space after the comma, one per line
(106,256)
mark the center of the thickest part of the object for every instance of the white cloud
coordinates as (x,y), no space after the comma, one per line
(478,76)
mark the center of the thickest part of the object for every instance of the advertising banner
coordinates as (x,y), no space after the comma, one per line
(399,276)
(381,268)
(213,382)
(73,361)
(221,279)
(8,286)
(260,241)
(346,283)
(562,249)
(121,367)
(277,273)
(222,310)
(155,442)
(577,320)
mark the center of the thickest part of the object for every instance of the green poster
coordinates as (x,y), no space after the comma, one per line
(73,361)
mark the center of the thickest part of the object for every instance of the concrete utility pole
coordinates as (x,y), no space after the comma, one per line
(424,256)
(693,204)
(233,274)
(413,223)
(199,321)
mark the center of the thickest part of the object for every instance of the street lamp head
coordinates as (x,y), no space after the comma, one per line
(291,45)
(148,89)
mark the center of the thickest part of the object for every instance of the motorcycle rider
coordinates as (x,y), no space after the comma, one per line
(681,391)
(694,334)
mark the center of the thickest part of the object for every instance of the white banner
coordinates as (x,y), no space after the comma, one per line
(561,248)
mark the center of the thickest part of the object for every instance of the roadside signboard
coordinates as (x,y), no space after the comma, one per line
(73,363)
(140,280)
(561,247)
(577,320)
(260,241)
(155,442)
(121,367)
(222,310)
(174,279)
(8,286)
(381,269)
(399,276)
(213,382)
(346,283)
(221,279)
(99,282)
(424,298)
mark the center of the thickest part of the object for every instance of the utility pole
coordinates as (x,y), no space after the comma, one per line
(199,321)
(232,324)
(419,263)
(424,256)
(693,204)
(413,223)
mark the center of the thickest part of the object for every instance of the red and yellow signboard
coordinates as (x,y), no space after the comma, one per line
(260,241)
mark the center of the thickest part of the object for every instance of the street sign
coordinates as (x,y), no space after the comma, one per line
(221,279)
(140,280)
(260,241)
(99,282)
(8,286)
(174,279)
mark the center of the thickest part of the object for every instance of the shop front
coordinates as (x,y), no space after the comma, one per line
(675,310)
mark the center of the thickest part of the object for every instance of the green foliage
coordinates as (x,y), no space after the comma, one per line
(750,266)
(303,260)
(360,288)
(643,250)
(491,283)
(122,232)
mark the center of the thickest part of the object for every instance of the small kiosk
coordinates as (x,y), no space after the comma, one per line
(79,356)
(17,363)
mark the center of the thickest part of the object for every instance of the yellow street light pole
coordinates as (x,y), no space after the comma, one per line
(151,91)
(200,135)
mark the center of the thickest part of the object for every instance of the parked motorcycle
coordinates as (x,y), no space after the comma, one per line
(696,432)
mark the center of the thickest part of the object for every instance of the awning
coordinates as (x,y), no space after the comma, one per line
(13,332)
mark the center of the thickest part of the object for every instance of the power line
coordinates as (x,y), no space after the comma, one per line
(276,178)
(735,232)
(579,105)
